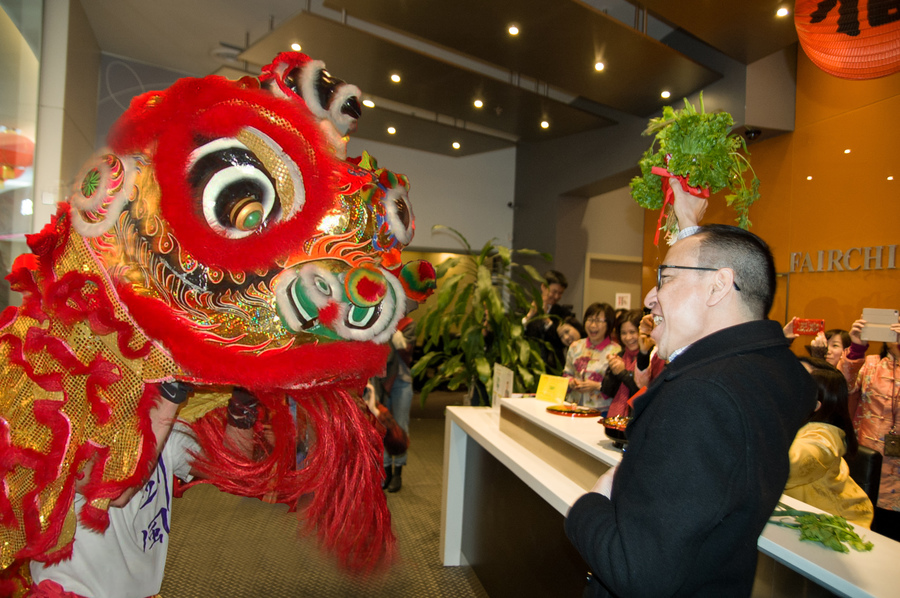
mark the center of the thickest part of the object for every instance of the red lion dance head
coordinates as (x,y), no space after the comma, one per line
(221,240)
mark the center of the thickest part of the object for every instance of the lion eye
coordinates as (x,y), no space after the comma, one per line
(246,214)
(399,215)
(236,192)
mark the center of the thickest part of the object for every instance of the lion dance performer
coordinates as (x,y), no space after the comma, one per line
(221,248)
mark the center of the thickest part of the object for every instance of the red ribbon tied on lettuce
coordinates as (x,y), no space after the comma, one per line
(669,194)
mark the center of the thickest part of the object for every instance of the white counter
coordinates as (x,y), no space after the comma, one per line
(869,574)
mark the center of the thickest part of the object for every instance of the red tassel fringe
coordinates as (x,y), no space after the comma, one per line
(342,471)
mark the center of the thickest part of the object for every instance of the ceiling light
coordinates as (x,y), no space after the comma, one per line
(890,178)
(295,47)
(368,103)
(545,124)
(665,95)
(391,130)
(599,66)
(809,178)
(456,145)
(846,151)
(395,78)
(478,103)
(513,30)
(782,12)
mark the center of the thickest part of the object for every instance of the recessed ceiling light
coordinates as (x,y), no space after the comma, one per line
(478,103)
(545,124)
(809,178)
(368,103)
(391,130)
(782,12)
(890,178)
(456,145)
(599,66)
(295,47)
(513,30)
(846,151)
(665,94)
(395,78)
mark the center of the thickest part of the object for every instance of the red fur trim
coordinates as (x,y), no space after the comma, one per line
(78,297)
(50,589)
(51,241)
(102,375)
(289,59)
(90,516)
(47,413)
(15,580)
(22,278)
(7,316)
(53,557)
(21,275)
(39,540)
(12,456)
(93,518)
(325,362)
(96,487)
(169,128)
(50,382)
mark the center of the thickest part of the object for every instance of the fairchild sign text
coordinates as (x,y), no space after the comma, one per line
(882,257)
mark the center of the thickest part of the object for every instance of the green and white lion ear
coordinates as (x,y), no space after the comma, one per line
(101,191)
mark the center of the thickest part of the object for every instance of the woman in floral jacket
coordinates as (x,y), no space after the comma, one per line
(586,360)
(877,422)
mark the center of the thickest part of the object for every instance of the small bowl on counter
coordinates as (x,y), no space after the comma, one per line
(615,429)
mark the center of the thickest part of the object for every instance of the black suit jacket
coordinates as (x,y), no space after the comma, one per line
(555,357)
(706,462)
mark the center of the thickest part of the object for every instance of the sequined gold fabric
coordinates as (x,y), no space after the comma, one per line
(71,409)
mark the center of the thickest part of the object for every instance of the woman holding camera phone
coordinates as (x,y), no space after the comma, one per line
(874,397)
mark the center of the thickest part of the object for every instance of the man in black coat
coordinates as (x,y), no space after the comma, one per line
(707,458)
(544,328)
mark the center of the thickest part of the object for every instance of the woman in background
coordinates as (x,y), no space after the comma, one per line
(623,379)
(570,330)
(874,399)
(586,360)
(830,345)
(819,474)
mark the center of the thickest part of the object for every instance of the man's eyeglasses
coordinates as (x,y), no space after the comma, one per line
(664,266)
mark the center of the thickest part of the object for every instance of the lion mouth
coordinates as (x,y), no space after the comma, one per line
(307,320)
(333,300)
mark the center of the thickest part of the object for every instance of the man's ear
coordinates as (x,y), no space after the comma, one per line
(721,287)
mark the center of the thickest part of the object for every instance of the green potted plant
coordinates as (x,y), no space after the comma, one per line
(476,321)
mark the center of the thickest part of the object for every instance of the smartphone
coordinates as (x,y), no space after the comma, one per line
(878,325)
(808,327)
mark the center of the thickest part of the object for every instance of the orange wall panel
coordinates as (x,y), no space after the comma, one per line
(821,96)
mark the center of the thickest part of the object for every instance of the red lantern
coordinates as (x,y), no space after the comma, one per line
(16,154)
(851,39)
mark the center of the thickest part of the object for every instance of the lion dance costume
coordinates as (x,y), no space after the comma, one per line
(221,240)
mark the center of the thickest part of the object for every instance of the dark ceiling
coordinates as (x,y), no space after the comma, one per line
(450,53)
(745,31)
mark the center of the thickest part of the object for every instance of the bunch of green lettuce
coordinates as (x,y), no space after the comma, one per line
(699,146)
(830,530)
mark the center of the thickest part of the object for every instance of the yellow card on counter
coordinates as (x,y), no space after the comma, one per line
(552,388)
